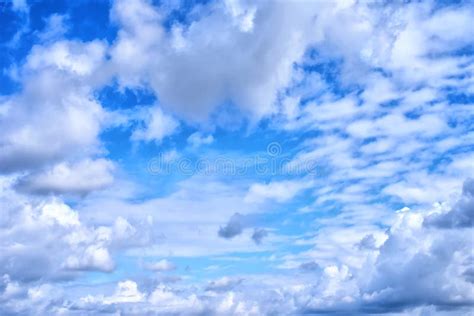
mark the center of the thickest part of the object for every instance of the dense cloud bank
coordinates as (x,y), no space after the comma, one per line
(420,264)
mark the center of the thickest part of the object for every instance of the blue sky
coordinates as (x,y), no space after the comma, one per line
(236,157)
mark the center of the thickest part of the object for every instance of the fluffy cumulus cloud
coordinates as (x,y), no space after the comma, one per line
(40,225)
(32,229)
(82,177)
(55,116)
(236,158)
(194,70)
(462,215)
(434,271)
(156,126)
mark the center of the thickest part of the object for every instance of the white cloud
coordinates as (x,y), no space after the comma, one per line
(92,258)
(414,247)
(77,178)
(281,191)
(55,28)
(31,230)
(197,139)
(59,213)
(55,116)
(72,57)
(370,83)
(125,292)
(157,125)
(162,265)
(411,248)
(182,210)
(181,75)
(39,229)
(168,302)
(379,90)
(427,125)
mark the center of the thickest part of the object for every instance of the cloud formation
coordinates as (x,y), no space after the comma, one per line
(79,178)
(370,102)
(233,227)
